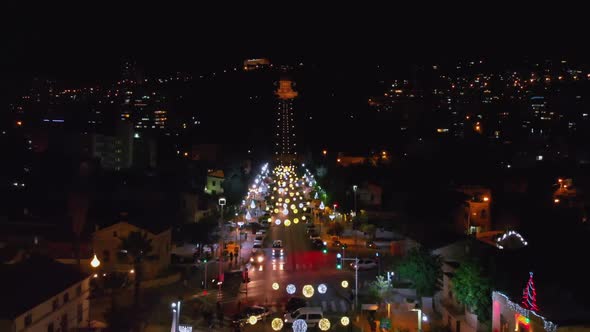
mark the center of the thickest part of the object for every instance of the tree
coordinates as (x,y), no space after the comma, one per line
(473,289)
(379,288)
(424,269)
(138,247)
(369,229)
(336,229)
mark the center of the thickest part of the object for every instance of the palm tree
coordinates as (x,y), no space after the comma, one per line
(138,247)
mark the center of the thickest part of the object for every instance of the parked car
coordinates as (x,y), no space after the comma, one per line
(364,264)
(242,318)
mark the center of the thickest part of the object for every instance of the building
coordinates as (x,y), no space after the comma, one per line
(369,195)
(215,180)
(42,295)
(106,243)
(475,214)
(115,151)
(253,64)
(285,141)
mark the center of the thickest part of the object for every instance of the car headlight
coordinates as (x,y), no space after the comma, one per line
(260,259)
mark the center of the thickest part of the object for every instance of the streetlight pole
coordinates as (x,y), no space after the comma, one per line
(220,277)
(419,319)
(354,188)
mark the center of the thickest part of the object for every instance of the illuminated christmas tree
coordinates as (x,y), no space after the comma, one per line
(529,295)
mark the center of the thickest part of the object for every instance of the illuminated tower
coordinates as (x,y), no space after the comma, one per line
(285,128)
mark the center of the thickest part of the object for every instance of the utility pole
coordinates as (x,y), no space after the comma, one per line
(220,277)
(354,188)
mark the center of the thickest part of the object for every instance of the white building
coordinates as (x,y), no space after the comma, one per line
(42,295)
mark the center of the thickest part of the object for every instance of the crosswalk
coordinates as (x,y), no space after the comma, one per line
(337,305)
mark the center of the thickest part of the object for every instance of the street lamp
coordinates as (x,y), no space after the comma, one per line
(95,262)
(221,204)
(175,315)
(421,318)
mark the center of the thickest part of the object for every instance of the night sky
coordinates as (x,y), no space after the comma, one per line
(87,45)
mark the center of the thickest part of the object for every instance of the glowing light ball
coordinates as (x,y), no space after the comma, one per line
(308,291)
(300,205)
(296,220)
(304,209)
(269,219)
(324,324)
(280,199)
(277,221)
(291,289)
(291,194)
(299,325)
(285,212)
(272,197)
(303,218)
(252,320)
(267,208)
(276,210)
(344,321)
(295,211)
(287,200)
(277,324)
(275,285)
(293,206)
(287,222)
(322,288)
(344,284)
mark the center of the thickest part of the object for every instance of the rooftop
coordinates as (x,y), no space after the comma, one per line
(33,281)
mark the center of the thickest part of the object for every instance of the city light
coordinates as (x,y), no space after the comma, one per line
(308,291)
(95,262)
(299,325)
(324,324)
(252,320)
(291,289)
(344,284)
(322,288)
(275,285)
(277,324)
(344,321)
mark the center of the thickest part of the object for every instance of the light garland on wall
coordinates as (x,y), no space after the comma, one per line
(549,326)
(506,235)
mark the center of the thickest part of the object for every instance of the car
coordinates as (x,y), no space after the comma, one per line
(256,247)
(295,303)
(242,318)
(317,243)
(364,264)
(257,257)
(311,315)
(277,248)
(371,245)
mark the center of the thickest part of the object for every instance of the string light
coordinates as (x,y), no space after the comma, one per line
(547,325)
